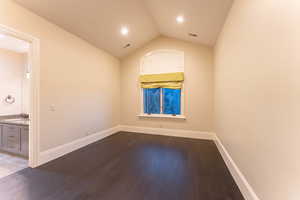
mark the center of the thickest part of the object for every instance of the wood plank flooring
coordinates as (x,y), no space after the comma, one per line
(129,166)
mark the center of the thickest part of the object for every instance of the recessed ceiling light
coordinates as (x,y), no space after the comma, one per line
(180,19)
(124,31)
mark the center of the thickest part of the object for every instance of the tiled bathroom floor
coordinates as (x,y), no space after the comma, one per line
(10,164)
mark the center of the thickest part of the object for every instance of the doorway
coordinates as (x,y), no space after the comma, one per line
(19,114)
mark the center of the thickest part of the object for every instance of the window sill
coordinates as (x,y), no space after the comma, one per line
(162,116)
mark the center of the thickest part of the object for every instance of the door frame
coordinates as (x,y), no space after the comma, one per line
(34,111)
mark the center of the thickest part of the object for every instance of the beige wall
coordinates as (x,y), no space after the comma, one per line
(257,94)
(80,81)
(12,67)
(198,87)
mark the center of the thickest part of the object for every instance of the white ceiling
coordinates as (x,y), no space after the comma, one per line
(99,21)
(203,17)
(13,44)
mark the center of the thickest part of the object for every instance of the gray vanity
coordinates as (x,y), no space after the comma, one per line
(14,136)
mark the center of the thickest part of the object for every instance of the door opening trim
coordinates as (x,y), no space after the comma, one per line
(34,111)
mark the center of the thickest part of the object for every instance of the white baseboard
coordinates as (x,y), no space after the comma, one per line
(238,176)
(61,150)
(169,132)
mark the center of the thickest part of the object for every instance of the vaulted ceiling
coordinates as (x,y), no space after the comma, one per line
(99,21)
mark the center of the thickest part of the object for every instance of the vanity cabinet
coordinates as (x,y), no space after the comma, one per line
(1,136)
(14,139)
(11,136)
(25,141)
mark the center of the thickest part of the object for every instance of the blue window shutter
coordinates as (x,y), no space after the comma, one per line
(152,100)
(171,101)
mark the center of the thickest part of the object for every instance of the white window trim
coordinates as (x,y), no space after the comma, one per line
(182,103)
(162,116)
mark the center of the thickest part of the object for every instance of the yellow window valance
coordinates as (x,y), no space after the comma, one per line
(170,85)
(153,78)
(169,80)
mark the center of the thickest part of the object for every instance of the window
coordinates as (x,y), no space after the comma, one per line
(171,101)
(161,82)
(152,100)
(162,101)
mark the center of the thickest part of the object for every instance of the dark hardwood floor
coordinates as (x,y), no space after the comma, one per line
(129,166)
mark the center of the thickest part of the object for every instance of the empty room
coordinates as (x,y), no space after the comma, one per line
(149,100)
